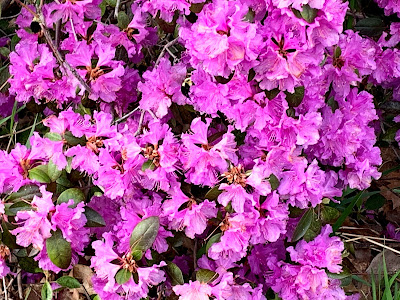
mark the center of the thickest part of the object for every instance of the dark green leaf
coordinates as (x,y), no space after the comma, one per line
(303,225)
(273,181)
(47,292)
(123,20)
(75,194)
(59,250)
(144,234)
(52,171)
(94,297)
(74,141)
(272,93)
(94,219)
(329,213)
(345,273)
(295,99)
(69,282)
(30,265)
(214,239)
(7,238)
(4,51)
(175,273)
(346,212)
(308,13)
(213,193)
(123,276)
(39,174)
(338,52)
(370,27)
(16,207)
(148,165)
(375,202)
(206,276)
(314,229)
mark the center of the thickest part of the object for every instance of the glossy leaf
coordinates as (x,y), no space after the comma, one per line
(69,282)
(144,234)
(303,225)
(59,250)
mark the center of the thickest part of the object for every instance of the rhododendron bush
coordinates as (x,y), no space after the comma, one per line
(182,149)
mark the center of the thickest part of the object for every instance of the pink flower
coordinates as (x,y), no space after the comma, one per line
(161,87)
(34,226)
(322,252)
(194,290)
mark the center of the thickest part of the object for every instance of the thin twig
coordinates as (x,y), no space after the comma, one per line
(152,114)
(5,289)
(382,245)
(117,8)
(19,283)
(10,17)
(5,83)
(140,123)
(58,33)
(127,115)
(73,29)
(369,237)
(169,44)
(19,131)
(9,141)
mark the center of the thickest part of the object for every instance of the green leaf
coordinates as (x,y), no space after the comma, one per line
(346,212)
(30,265)
(59,250)
(370,27)
(214,239)
(69,282)
(303,225)
(206,276)
(137,255)
(53,136)
(26,192)
(47,292)
(314,229)
(7,238)
(39,174)
(94,297)
(329,213)
(75,194)
(122,276)
(345,273)
(144,234)
(273,181)
(213,193)
(4,51)
(74,141)
(309,14)
(375,202)
(52,171)
(175,273)
(295,99)
(123,20)
(94,219)
(16,207)
(338,52)
(148,165)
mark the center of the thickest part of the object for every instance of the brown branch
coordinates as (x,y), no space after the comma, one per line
(53,48)
(169,44)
